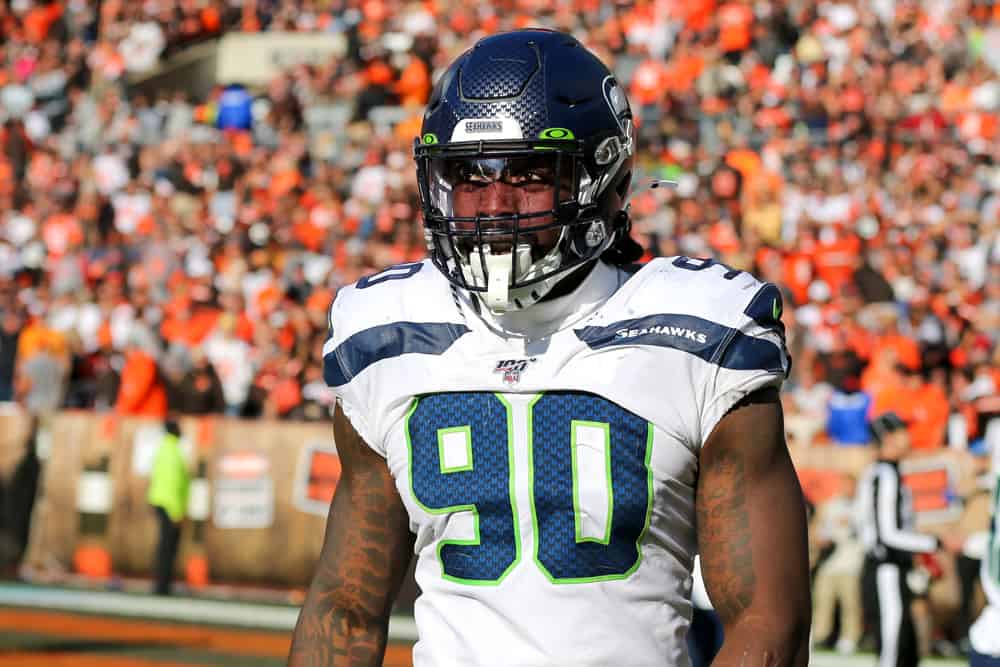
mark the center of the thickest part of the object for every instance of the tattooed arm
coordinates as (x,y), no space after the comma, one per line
(366,551)
(752,537)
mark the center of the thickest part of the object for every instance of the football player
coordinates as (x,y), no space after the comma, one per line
(984,635)
(554,431)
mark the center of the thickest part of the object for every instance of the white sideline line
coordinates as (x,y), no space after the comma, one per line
(187,610)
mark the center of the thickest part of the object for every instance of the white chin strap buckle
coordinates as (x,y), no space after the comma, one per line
(497,281)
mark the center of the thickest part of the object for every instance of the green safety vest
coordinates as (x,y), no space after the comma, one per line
(169,480)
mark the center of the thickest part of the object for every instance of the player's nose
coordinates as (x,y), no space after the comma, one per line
(497,198)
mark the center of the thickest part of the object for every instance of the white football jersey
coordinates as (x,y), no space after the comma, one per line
(548,458)
(985,632)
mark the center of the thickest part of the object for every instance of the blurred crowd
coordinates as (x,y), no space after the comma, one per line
(161,250)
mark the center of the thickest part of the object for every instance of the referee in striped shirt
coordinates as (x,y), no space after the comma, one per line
(886,520)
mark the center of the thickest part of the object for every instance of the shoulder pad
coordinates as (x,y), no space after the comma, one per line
(735,317)
(397,293)
(699,287)
(402,309)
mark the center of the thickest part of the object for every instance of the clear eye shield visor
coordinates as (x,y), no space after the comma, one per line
(502,195)
(505,221)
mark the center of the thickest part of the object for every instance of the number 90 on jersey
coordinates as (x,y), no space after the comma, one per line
(588,474)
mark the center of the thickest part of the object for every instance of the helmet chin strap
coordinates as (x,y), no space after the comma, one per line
(497,295)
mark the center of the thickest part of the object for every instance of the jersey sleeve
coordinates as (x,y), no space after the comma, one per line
(752,356)
(337,373)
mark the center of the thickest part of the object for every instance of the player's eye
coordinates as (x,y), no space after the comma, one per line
(532,177)
(472,182)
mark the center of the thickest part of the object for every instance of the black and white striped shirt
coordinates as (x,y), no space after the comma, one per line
(885,516)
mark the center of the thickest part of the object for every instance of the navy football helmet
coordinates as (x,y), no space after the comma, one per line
(523,163)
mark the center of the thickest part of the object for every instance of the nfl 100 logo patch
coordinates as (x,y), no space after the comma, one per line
(511,369)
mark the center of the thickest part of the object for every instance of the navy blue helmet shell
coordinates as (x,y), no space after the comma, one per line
(541,79)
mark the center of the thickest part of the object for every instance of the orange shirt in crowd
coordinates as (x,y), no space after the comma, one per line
(859,339)
(881,384)
(141,393)
(682,71)
(244,327)
(698,13)
(648,82)
(39,20)
(414,85)
(284,179)
(797,271)
(191,330)
(286,394)
(924,409)
(770,118)
(929,415)
(638,14)
(6,174)
(408,128)
(38,336)
(889,394)
(735,24)
(835,261)
(906,349)
(745,161)
(955,97)
(309,234)
(268,298)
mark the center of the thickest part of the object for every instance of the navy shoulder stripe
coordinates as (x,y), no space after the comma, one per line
(385,341)
(766,309)
(711,341)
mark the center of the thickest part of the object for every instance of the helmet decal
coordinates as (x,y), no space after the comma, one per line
(615,97)
(475,129)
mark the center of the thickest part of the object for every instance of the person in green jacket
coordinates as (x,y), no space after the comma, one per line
(168,494)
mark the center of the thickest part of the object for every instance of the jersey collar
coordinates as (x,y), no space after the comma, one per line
(547,317)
